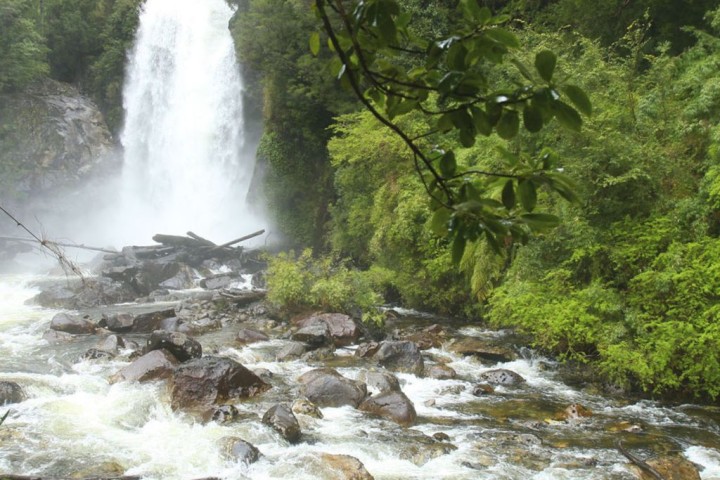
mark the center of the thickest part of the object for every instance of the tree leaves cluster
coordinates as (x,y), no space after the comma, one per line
(452,83)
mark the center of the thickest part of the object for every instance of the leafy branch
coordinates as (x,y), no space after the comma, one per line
(451,87)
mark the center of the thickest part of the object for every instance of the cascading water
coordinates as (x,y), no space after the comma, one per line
(184,166)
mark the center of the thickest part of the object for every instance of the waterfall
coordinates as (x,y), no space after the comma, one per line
(184,166)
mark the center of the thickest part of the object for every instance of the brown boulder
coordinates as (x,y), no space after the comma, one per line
(246,336)
(325,387)
(281,418)
(151,366)
(395,406)
(403,356)
(482,349)
(345,467)
(180,345)
(207,381)
(74,324)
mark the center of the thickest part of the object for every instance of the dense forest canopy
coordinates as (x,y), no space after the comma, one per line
(629,280)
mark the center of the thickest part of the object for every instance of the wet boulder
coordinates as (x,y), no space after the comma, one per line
(402,356)
(303,406)
(154,365)
(315,335)
(54,337)
(74,324)
(281,418)
(219,281)
(96,354)
(671,467)
(482,349)
(151,321)
(204,382)
(11,392)
(440,372)
(382,381)
(291,351)
(395,406)
(118,322)
(574,412)
(247,335)
(239,450)
(345,467)
(111,344)
(501,376)
(225,414)
(184,348)
(367,350)
(325,387)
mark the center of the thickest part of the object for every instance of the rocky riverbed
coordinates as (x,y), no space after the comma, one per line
(193,375)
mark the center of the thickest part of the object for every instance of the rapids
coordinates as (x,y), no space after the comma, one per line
(74,420)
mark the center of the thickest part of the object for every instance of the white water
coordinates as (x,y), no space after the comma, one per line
(186,165)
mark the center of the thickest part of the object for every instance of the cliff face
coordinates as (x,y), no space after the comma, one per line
(51,138)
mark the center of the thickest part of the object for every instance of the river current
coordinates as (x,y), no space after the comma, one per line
(74,420)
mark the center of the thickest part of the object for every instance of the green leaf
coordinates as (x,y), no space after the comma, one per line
(579,98)
(481,121)
(439,223)
(504,37)
(528,195)
(508,125)
(315,43)
(522,69)
(470,10)
(567,116)
(532,118)
(458,248)
(545,64)
(448,164)
(508,195)
(540,221)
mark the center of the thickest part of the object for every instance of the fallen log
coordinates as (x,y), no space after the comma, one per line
(177,241)
(241,239)
(642,465)
(201,239)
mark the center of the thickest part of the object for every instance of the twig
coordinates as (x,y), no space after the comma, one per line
(53,247)
(2,420)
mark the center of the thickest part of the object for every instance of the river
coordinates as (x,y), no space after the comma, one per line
(75,422)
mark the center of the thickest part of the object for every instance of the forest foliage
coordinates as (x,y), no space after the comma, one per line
(628,280)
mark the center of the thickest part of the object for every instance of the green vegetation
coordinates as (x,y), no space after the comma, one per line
(628,280)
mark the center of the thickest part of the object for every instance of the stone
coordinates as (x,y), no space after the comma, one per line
(200,326)
(219,281)
(247,336)
(96,354)
(424,340)
(671,467)
(207,381)
(291,351)
(303,406)
(73,324)
(10,392)
(239,450)
(501,376)
(281,418)
(54,337)
(573,412)
(402,356)
(367,350)
(482,349)
(345,467)
(325,387)
(395,406)
(225,414)
(314,335)
(342,329)
(182,280)
(440,372)
(482,389)
(119,322)
(154,365)
(382,381)
(111,344)
(149,322)
(182,347)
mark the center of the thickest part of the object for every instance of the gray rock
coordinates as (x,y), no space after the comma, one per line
(54,337)
(325,387)
(345,467)
(239,450)
(395,406)
(501,376)
(111,344)
(303,406)
(119,322)
(281,418)
(440,372)
(341,329)
(149,322)
(218,281)
(314,335)
(382,381)
(74,324)
(204,382)
(225,414)
(151,366)
(11,392)
(402,356)
(291,351)
(180,345)
(482,349)
(246,336)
